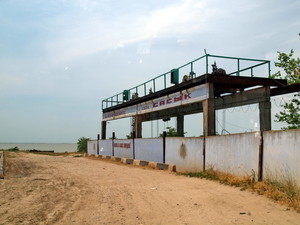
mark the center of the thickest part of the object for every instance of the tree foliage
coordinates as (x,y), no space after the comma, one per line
(171,132)
(291,67)
(82,144)
(290,114)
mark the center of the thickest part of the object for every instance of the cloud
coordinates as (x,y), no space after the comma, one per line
(96,32)
(183,17)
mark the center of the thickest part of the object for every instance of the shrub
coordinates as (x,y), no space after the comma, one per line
(82,144)
(14,149)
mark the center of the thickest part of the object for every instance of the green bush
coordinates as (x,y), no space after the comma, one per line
(82,144)
(14,149)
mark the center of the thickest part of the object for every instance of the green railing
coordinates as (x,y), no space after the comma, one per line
(161,82)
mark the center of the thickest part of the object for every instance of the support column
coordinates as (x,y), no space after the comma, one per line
(138,126)
(180,126)
(265,111)
(103,130)
(265,115)
(209,124)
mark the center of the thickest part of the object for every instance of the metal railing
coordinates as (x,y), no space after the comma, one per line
(141,90)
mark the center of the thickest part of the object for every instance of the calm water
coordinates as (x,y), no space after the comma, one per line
(65,147)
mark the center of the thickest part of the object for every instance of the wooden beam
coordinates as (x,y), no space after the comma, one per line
(173,112)
(243,98)
(286,89)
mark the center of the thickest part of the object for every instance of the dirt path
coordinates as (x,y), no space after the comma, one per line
(41,189)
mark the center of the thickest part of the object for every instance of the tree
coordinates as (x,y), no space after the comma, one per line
(129,136)
(82,144)
(171,132)
(290,114)
(291,67)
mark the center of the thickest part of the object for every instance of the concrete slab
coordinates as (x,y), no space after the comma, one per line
(144,163)
(162,166)
(117,159)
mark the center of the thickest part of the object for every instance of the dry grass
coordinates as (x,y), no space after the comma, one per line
(286,193)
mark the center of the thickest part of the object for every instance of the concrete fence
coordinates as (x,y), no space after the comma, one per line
(281,160)
(185,153)
(237,154)
(271,154)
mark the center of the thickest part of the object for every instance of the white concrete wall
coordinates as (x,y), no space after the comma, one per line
(282,155)
(185,153)
(149,149)
(237,154)
(92,147)
(123,148)
(105,147)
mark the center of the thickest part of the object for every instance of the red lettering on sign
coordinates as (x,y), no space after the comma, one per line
(186,96)
(169,101)
(161,102)
(177,99)
(122,145)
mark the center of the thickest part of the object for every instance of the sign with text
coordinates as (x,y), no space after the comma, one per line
(185,97)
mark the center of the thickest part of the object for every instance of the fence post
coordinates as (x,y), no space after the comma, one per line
(133,146)
(260,157)
(113,147)
(98,138)
(204,153)
(164,146)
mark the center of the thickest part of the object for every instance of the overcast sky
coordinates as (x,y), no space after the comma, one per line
(60,58)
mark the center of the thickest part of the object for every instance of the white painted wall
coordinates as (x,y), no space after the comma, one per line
(185,153)
(92,147)
(105,147)
(121,148)
(237,154)
(149,149)
(282,155)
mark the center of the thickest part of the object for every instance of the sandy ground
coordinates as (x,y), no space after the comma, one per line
(41,189)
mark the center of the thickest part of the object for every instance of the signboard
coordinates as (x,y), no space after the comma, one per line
(185,97)
(123,148)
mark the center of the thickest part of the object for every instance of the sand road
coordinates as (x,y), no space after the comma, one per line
(40,189)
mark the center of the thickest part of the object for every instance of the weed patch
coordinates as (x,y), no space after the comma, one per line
(286,193)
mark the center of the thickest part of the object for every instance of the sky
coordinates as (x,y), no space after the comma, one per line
(59,59)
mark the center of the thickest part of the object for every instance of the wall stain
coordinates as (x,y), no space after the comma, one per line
(182,151)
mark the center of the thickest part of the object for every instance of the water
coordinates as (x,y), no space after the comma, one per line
(57,147)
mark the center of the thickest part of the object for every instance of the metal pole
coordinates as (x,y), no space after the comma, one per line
(164,146)
(133,147)
(98,138)
(206,56)
(260,157)
(238,65)
(113,146)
